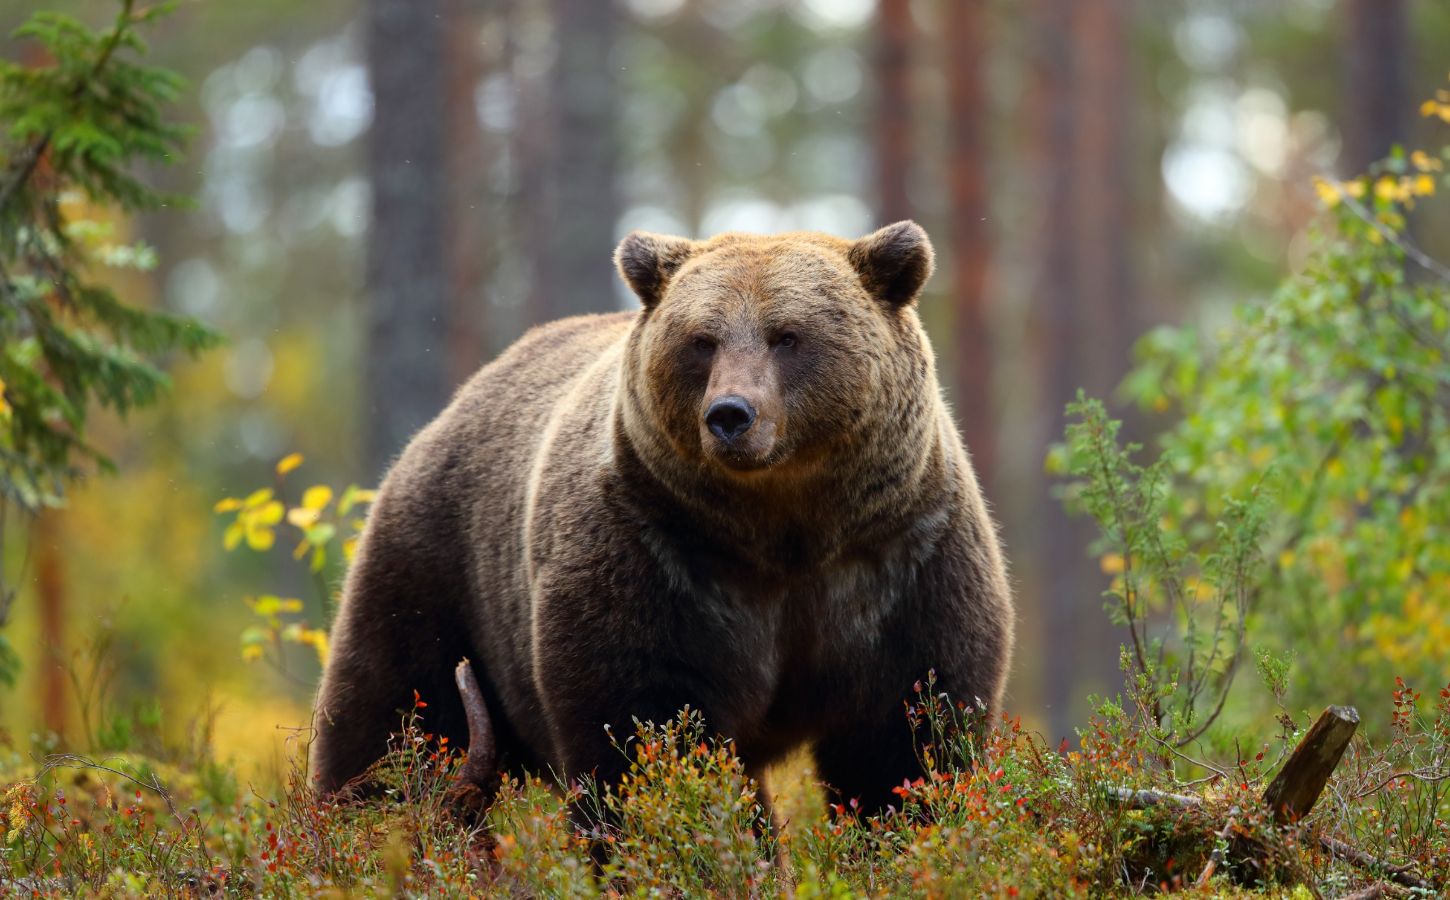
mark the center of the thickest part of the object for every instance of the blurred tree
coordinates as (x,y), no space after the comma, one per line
(467,168)
(576,272)
(894,35)
(1377,73)
(1077,112)
(1104,314)
(967,128)
(408,275)
(1101,159)
(75,131)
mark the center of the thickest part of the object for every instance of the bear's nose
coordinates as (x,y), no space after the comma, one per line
(729,417)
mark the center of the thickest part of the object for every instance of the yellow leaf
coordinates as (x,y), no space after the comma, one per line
(349,547)
(302,517)
(1112,563)
(1286,559)
(260,539)
(317,497)
(233,535)
(252,652)
(301,549)
(228,505)
(269,514)
(270,605)
(1425,162)
(1429,108)
(1354,188)
(1425,186)
(1328,192)
(288,463)
(1386,188)
(315,637)
(353,496)
(257,498)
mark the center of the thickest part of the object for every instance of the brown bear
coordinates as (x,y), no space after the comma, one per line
(747,497)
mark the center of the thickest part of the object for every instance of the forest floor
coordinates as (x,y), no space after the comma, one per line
(1003,815)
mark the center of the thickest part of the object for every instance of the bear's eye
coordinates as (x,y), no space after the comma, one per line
(703,344)
(786,340)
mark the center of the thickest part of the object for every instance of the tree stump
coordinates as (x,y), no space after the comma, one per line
(1295,790)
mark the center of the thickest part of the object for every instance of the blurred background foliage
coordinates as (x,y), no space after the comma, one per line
(389,192)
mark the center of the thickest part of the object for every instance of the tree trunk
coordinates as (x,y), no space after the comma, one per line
(964,26)
(1105,309)
(50,592)
(407,267)
(894,34)
(467,193)
(576,274)
(1078,641)
(1377,69)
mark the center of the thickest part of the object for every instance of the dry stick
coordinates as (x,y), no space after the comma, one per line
(1373,892)
(1220,849)
(1398,874)
(477,779)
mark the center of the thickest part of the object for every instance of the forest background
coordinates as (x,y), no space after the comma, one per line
(385,200)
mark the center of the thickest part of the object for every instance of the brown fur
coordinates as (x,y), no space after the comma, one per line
(571,524)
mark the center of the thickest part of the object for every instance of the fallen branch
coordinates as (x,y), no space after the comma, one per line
(1401,875)
(1146,799)
(1291,796)
(478,779)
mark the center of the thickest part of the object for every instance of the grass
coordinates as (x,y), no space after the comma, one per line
(1000,815)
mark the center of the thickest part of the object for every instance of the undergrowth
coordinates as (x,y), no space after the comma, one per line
(996,814)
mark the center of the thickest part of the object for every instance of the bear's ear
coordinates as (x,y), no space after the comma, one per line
(648,261)
(894,262)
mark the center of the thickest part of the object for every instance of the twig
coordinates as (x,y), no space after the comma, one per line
(1374,892)
(1220,849)
(1429,774)
(1411,251)
(72,761)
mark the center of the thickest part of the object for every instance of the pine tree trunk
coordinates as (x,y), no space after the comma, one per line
(50,589)
(1105,308)
(1377,71)
(406,362)
(577,273)
(467,192)
(893,35)
(1104,311)
(964,25)
(1069,585)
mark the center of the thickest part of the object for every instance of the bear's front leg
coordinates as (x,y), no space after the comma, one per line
(626,649)
(862,761)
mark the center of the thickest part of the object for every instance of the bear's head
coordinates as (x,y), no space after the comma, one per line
(777,353)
